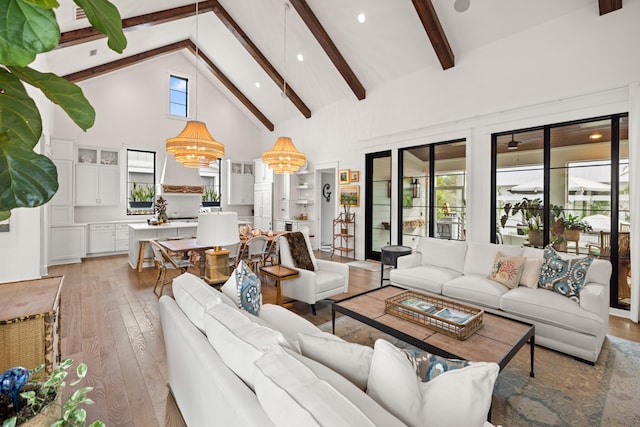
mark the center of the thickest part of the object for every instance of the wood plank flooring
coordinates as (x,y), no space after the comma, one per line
(109,320)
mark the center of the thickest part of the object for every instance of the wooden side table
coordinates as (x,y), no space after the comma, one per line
(279,273)
(389,256)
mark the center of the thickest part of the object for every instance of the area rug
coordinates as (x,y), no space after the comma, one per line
(371,266)
(564,392)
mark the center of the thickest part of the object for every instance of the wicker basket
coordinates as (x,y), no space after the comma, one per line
(431,320)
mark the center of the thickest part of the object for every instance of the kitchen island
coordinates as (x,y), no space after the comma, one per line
(142,231)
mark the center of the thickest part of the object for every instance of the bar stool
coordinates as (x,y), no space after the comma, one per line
(141,258)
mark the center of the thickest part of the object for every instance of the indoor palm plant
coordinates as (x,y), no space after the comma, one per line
(29,28)
(39,403)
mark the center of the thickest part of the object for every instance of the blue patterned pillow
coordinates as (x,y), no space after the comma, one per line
(429,366)
(564,276)
(248,288)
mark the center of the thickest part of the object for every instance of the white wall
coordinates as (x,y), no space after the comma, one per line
(577,66)
(22,249)
(131,112)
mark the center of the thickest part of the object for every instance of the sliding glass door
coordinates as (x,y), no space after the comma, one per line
(378,203)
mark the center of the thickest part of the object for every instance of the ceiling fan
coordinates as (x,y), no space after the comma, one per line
(513,144)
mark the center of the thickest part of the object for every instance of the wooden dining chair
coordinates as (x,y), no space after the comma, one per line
(255,251)
(234,255)
(165,263)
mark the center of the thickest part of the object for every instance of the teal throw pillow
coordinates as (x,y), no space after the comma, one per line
(564,276)
(429,366)
(248,288)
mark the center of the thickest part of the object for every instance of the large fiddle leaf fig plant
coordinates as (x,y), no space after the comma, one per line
(30,27)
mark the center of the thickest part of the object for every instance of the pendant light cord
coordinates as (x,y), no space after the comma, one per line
(197,60)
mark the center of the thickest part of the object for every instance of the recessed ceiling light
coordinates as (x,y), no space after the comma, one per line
(461,5)
(361,18)
(595,136)
(300,57)
(258,85)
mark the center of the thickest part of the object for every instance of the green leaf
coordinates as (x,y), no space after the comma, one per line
(26,30)
(46,4)
(105,18)
(10,422)
(62,92)
(4,215)
(19,116)
(81,370)
(27,179)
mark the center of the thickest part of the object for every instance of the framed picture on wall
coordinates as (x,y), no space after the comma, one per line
(355,176)
(350,195)
(343,176)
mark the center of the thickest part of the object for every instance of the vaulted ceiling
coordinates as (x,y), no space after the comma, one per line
(242,43)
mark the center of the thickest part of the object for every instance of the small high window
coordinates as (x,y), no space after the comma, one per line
(178,96)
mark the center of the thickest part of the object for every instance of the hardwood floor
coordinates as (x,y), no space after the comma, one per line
(109,320)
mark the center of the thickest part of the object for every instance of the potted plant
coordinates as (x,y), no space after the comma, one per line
(573,225)
(32,28)
(39,403)
(141,196)
(531,211)
(210,197)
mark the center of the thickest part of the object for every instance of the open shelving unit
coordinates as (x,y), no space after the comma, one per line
(344,231)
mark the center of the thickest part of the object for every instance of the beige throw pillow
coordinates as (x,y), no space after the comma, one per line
(530,272)
(507,269)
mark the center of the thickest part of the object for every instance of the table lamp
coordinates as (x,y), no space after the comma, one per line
(217,229)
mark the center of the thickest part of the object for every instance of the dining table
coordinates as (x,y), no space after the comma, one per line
(188,245)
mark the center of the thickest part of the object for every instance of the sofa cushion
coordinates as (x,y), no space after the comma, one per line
(564,276)
(461,397)
(551,308)
(442,253)
(193,296)
(365,403)
(245,289)
(239,341)
(507,269)
(475,289)
(291,394)
(480,256)
(425,277)
(287,323)
(350,360)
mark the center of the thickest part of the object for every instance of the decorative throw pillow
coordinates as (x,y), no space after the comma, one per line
(507,269)
(243,287)
(564,276)
(350,360)
(531,272)
(461,397)
(429,366)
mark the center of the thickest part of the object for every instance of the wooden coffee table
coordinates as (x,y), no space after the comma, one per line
(498,340)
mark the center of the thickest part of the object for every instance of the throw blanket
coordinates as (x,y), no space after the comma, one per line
(299,251)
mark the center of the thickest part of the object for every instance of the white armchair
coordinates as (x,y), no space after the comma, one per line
(328,278)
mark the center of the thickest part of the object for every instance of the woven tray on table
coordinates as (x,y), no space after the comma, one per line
(427,310)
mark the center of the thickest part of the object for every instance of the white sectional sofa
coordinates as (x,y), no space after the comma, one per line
(229,368)
(460,270)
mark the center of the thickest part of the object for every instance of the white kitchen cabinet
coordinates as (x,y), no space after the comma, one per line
(240,182)
(263,207)
(263,173)
(66,244)
(64,195)
(97,177)
(61,149)
(122,238)
(101,238)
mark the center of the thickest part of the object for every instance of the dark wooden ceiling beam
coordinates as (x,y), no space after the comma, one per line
(82,35)
(253,50)
(607,6)
(318,31)
(438,38)
(173,47)
(231,87)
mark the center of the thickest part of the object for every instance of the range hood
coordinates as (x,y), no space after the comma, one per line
(178,179)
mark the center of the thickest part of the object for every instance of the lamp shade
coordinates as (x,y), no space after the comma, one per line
(218,229)
(195,146)
(284,157)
